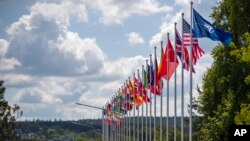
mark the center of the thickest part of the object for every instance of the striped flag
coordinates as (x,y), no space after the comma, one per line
(196,51)
(179,51)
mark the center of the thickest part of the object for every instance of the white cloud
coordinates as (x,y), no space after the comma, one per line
(167,26)
(56,67)
(115,11)
(135,38)
(41,40)
(6,63)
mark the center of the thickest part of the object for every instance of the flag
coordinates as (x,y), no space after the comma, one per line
(161,62)
(109,109)
(131,87)
(203,28)
(185,64)
(150,75)
(108,121)
(168,58)
(196,49)
(145,79)
(141,91)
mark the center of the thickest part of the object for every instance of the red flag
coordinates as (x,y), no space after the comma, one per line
(168,58)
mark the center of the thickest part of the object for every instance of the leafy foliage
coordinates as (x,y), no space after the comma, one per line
(7,118)
(233,15)
(225,95)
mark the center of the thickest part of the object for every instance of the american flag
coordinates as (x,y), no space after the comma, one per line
(196,51)
(179,51)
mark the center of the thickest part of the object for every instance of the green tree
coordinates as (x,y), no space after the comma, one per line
(233,15)
(7,118)
(225,94)
(225,89)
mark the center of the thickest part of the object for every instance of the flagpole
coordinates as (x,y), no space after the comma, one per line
(155,98)
(129,117)
(161,104)
(138,111)
(111,126)
(126,117)
(147,103)
(119,119)
(182,83)
(167,118)
(191,73)
(122,117)
(108,137)
(134,109)
(103,124)
(125,105)
(150,105)
(142,111)
(175,93)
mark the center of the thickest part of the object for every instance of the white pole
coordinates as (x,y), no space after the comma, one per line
(175,94)
(161,103)
(167,118)
(103,125)
(150,105)
(138,111)
(134,109)
(182,82)
(146,103)
(155,98)
(142,111)
(191,73)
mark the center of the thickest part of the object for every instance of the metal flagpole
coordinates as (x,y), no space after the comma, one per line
(118,119)
(150,105)
(103,124)
(108,137)
(167,118)
(155,98)
(191,73)
(175,93)
(161,105)
(129,117)
(138,111)
(134,108)
(182,83)
(111,126)
(142,107)
(126,116)
(146,103)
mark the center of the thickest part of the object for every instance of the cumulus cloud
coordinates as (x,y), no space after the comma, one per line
(51,67)
(166,27)
(6,63)
(135,38)
(115,11)
(41,41)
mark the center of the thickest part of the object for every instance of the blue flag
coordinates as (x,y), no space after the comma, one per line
(202,28)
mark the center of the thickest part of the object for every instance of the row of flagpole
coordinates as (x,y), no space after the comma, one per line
(127,131)
(202,28)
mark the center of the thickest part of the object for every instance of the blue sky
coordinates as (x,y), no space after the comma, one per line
(55,53)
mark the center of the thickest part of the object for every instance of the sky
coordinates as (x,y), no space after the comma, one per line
(54,53)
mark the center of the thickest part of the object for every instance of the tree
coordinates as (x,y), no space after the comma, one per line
(7,118)
(225,94)
(233,15)
(225,90)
